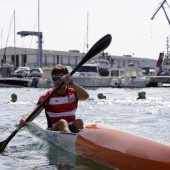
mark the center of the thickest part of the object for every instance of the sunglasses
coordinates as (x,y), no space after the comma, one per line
(55,78)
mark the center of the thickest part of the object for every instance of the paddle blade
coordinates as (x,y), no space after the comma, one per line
(3,145)
(98,47)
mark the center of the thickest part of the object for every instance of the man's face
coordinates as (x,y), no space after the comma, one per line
(57,79)
(14,99)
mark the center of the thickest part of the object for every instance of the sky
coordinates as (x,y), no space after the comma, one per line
(64,25)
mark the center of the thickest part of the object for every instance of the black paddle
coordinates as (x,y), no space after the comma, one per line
(98,47)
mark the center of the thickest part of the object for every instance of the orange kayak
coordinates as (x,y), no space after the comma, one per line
(110,146)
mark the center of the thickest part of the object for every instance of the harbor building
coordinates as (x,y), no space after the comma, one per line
(29,57)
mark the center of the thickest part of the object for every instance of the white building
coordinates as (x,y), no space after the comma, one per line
(29,57)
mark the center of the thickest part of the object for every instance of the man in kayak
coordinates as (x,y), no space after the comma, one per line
(61,108)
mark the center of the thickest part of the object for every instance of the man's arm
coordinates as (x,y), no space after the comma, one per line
(82,94)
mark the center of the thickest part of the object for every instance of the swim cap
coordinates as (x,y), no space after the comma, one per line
(100,95)
(13,95)
(143,93)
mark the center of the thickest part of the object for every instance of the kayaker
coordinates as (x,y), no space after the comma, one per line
(13,97)
(141,95)
(101,96)
(61,108)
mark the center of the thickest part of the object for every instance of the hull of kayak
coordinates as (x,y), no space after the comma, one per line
(112,147)
(122,150)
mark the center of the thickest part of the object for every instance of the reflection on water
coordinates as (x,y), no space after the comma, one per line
(57,159)
(149,118)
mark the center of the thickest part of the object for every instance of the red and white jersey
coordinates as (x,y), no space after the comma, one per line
(60,107)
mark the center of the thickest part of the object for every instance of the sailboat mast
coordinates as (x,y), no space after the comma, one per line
(39,39)
(14,43)
(1,39)
(87,30)
(38,16)
(167,45)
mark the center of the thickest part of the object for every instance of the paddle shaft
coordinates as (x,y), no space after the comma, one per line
(98,47)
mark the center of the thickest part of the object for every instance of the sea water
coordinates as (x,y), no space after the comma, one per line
(148,118)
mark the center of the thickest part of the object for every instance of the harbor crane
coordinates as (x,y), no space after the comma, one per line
(39,35)
(161,6)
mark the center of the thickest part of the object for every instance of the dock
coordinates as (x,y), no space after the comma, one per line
(155,80)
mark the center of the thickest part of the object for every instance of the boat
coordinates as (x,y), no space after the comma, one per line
(7,78)
(15,82)
(129,77)
(94,74)
(109,146)
(164,66)
(163,62)
(45,83)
